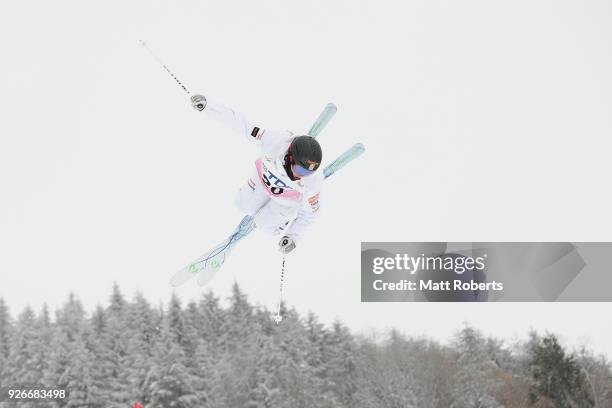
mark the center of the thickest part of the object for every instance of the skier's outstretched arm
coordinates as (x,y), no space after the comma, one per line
(234,120)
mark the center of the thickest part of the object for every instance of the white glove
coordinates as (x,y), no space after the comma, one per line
(286,245)
(198,102)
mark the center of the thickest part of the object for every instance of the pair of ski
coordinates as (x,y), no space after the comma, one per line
(206,266)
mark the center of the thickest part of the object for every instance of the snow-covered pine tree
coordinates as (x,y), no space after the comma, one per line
(199,358)
(79,377)
(238,322)
(476,384)
(97,390)
(103,381)
(339,355)
(24,348)
(112,347)
(203,374)
(316,334)
(44,333)
(212,322)
(384,375)
(296,381)
(175,321)
(6,329)
(27,353)
(142,335)
(169,383)
(241,340)
(557,376)
(599,376)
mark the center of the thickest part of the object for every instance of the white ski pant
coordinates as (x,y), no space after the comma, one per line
(271,216)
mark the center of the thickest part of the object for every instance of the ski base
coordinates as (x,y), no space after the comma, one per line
(324,117)
(206,266)
(345,158)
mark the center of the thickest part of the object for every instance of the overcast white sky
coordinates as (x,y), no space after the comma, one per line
(483,120)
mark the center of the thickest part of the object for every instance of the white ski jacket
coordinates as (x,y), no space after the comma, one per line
(302,195)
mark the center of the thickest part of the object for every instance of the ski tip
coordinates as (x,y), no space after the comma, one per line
(332,106)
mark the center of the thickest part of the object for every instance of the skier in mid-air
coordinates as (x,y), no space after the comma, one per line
(282,195)
(283,192)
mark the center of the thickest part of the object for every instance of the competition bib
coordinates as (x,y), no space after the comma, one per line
(273,183)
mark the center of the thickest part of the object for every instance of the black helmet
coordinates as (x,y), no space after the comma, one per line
(305,152)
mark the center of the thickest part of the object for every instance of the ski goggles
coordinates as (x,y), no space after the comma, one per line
(301,171)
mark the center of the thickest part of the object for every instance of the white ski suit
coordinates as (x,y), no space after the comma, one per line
(270,196)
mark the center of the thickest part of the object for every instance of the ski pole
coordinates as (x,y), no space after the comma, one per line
(178,81)
(278,318)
